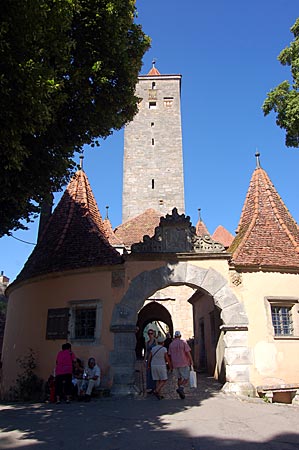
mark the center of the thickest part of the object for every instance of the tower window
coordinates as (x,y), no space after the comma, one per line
(152,124)
(153,184)
(168,101)
(152,105)
(153,85)
(153,141)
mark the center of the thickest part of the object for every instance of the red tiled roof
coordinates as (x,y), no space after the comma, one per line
(223,236)
(134,229)
(74,236)
(154,71)
(267,234)
(201,228)
(109,233)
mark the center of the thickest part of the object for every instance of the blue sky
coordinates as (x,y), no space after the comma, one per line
(226,52)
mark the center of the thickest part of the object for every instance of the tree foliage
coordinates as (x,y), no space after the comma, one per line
(284,99)
(68,70)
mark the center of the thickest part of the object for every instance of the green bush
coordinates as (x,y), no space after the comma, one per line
(28,387)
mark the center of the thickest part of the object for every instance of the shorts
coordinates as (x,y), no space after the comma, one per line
(182,372)
(159,373)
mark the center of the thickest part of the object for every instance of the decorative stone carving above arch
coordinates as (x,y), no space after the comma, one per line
(235,321)
(175,234)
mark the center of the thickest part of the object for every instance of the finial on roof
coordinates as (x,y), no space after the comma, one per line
(154,70)
(258,164)
(107,209)
(199,215)
(81,157)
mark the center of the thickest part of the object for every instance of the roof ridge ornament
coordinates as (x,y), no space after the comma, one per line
(81,157)
(258,163)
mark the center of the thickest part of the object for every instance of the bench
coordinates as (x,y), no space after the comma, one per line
(280,393)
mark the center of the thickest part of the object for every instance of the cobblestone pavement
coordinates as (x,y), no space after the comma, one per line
(206,385)
(207,419)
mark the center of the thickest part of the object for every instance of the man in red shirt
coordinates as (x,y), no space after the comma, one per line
(181,359)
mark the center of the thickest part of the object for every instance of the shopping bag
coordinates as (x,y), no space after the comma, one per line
(192,378)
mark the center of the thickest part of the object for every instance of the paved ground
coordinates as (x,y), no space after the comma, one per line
(206,420)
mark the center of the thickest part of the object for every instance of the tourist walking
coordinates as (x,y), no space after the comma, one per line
(157,362)
(181,360)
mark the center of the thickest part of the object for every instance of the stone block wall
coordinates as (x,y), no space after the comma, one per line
(153,160)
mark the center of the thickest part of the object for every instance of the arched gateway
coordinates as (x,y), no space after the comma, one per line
(235,323)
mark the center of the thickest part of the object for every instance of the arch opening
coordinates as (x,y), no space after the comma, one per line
(211,290)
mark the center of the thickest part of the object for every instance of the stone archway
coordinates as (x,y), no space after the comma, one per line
(235,322)
(154,311)
(151,312)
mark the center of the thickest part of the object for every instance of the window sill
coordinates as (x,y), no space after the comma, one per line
(83,341)
(286,338)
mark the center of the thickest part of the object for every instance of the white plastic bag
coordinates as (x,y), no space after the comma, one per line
(192,378)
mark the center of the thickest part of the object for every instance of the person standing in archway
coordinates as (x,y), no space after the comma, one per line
(181,360)
(150,383)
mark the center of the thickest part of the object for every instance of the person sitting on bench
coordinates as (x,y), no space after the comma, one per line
(92,378)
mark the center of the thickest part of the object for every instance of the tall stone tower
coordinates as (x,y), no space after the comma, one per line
(153,159)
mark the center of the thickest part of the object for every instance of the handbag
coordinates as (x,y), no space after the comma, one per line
(192,378)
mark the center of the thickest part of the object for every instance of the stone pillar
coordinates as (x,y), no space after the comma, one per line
(237,358)
(123,359)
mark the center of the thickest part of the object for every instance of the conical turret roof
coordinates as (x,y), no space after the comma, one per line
(267,234)
(222,235)
(201,229)
(111,236)
(74,236)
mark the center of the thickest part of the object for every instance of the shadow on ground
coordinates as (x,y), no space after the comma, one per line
(205,420)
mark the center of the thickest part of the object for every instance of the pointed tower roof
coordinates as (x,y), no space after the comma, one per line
(267,234)
(111,236)
(74,236)
(222,235)
(133,230)
(154,70)
(201,229)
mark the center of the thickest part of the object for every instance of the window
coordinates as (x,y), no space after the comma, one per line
(168,101)
(152,124)
(152,105)
(284,313)
(282,320)
(85,320)
(153,141)
(153,85)
(85,323)
(153,184)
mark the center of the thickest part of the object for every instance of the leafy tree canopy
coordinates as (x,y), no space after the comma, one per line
(68,70)
(284,99)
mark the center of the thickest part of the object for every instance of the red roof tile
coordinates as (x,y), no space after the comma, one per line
(154,71)
(133,230)
(74,236)
(111,236)
(267,234)
(223,236)
(201,229)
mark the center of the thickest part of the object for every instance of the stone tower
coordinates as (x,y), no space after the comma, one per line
(153,159)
